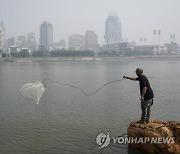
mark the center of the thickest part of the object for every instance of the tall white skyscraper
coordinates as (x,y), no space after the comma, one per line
(46,36)
(113,32)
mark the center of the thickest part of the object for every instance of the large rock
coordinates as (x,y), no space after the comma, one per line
(157,137)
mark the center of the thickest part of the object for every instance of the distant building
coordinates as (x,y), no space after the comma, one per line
(91,41)
(30,37)
(113,32)
(59,45)
(162,49)
(1,38)
(76,42)
(62,43)
(21,40)
(11,42)
(32,45)
(118,47)
(17,49)
(26,50)
(0,57)
(171,47)
(147,48)
(31,42)
(178,49)
(1,42)
(14,49)
(46,36)
(3,33)
(56,46)
(6,51)
(28,43)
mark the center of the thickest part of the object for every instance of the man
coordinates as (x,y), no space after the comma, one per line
(146,93)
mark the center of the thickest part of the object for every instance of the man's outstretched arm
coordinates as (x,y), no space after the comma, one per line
(126,77)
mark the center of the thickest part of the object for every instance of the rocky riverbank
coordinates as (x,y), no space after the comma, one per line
(157,137)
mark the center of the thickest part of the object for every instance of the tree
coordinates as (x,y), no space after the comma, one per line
(70,53)
(20,54)
(40,53)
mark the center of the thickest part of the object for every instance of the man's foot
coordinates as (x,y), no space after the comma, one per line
(147,121)
(141,122)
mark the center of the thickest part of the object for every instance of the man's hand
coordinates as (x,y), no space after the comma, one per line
(142,98)
(125,77)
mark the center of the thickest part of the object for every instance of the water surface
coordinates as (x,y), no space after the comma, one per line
(66,121)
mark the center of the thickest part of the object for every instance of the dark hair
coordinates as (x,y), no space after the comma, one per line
(139,70)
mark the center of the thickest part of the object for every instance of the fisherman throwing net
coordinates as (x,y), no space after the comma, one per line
(35,90)
(146,93)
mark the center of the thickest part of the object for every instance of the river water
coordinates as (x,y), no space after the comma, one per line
(66,121)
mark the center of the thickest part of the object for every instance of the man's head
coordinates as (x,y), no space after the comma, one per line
(139,71)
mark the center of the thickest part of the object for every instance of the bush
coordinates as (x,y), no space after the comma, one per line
(40,53)
(109,53)
(136,52)
(20,54)
(69,53)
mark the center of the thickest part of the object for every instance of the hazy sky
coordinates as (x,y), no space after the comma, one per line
(138,17)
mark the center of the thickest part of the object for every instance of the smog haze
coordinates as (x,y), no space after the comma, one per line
(138,17)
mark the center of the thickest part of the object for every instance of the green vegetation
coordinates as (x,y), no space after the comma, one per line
(109,53)
(69,53)
(20,54)
(136,52)
(40,54)
(56,53)
(126,52)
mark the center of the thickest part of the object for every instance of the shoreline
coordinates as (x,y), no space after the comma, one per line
(94,59)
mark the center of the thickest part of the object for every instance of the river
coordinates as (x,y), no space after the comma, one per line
(66,121)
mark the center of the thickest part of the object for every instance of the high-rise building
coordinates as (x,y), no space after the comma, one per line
(1,38)
(76,42)
(59,45)
(91,40)
(2,34)
(46,36)
(113,32)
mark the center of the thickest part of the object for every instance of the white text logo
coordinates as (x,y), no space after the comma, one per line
(103,140)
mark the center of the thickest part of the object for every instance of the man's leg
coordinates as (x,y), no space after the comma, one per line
(144,109)
(150,103)
(148,114)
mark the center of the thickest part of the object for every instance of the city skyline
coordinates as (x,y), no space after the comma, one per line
(138,19)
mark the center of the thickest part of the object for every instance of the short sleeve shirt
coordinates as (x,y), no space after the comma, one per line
(144,82)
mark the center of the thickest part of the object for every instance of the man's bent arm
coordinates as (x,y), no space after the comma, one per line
(143,92)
